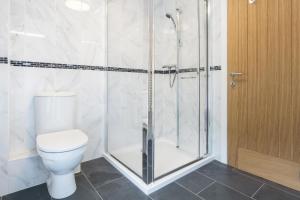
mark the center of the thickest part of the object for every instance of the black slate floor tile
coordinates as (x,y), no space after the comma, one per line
(121,189)
(39,192)
(283,188)
(270,183)
(111,185)
(195,182)
(173,192)
(221,192)
(84,190)
(228,176)
(270,193)
(100,172)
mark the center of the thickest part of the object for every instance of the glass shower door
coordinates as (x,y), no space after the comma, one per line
(180,84)
(127,80)
(192,92)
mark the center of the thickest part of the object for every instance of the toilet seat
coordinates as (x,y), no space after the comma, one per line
(62,141)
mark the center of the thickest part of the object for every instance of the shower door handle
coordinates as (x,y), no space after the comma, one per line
(145,137)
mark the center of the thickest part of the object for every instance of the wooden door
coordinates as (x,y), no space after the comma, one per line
(264,99)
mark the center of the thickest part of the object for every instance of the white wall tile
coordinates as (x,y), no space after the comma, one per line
(25,173)
(17,26)
(4,12)
(128,33)
(4,127)
(40,29)
(4,99)
(218,79)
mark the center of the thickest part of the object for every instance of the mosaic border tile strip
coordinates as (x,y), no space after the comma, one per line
(91,67)
(54,65)
(72,66)
(3,60)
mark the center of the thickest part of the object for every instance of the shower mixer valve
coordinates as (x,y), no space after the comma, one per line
(175,70)
(169,67)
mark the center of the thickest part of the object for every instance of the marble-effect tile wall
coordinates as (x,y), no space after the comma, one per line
(65,36)
(55,33)
(47,31)
(4,127)
(128,35)
(89,88)
(4,99)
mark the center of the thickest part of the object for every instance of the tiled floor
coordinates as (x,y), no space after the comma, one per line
(215,181)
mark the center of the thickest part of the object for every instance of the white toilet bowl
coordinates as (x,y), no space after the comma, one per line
(61,153)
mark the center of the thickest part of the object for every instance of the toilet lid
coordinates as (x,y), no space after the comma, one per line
(61,141)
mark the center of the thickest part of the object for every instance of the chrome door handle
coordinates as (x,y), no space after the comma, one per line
(233,75)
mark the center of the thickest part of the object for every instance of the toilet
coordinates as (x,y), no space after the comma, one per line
(58,143)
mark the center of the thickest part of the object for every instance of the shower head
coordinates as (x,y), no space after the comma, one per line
(168,15)
(171,17)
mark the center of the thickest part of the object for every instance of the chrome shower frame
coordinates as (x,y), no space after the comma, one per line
(148,154)
(178,63)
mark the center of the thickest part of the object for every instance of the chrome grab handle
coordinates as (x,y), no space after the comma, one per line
(188,77)
(252,1)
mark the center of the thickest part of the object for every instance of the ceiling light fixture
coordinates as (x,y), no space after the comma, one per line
(78,5)
(27,34)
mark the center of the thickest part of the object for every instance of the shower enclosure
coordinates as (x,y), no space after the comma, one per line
(157,85)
